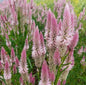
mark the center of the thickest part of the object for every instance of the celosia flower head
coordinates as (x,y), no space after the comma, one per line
(7,73)
(44,75)
(26,46)
(36,36)
(23,58)
(23,70)
(32,79)
(54,24)
(16,61)
(59,82)
(49,17)
(81,50)
(14,69)
(44,72)
(74,41)
(21,81)
(51,76)
(67,17)
(83,61)
(1,65)
(42,43)
(85,49)
(12,55)
(3,54)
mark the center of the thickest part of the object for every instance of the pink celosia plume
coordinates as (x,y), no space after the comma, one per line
(12,55)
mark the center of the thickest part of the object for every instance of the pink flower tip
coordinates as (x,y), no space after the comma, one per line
(32,79)
(16,61)
(44,72)
(14,69)
(23,55)
(51,76)
(36,36)
(74,41)
(12,55)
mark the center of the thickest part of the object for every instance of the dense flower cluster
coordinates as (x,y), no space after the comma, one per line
(52,51)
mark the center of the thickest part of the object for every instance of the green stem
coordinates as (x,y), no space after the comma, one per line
(59,69)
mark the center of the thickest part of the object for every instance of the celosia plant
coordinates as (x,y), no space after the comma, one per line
(46,58)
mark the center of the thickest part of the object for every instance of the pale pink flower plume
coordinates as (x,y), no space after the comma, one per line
(51,76)
(85,49)
(3,55)
(48,25)
(14,69)
(67,18)
(81,50)
(26,46)
(23,63)
(83,62)
(16,61)
(59,82)
(32,79)
(21,81)
(36,44)
(7,73)
(44,75)
(12,55)
(4,5)
(1,66)
(23,70)
(74,41)
(53,33)
(8,43)
(42,43)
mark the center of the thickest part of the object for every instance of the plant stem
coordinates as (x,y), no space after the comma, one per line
(59,69)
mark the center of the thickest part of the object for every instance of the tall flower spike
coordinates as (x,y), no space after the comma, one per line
(1,66)
(67,18)
(54,24)
(48,25)
(57,59)
(23,70)
(3,55)
(37,52)
(16,61)
(7,73)
(80,50)
(85,49)
(53,32)
(26,46)
(32,79)
(13,12)
(8,43)
(83,62)
(32,28)
(14,69)
(21,81)
(51,76)
(59,82)
(74,41)
(49,19)
(36,37)
(30,16)
(12,55)
(31,4)
(42,43)
(44,75)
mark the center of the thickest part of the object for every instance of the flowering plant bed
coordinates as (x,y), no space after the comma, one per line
(37,44)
